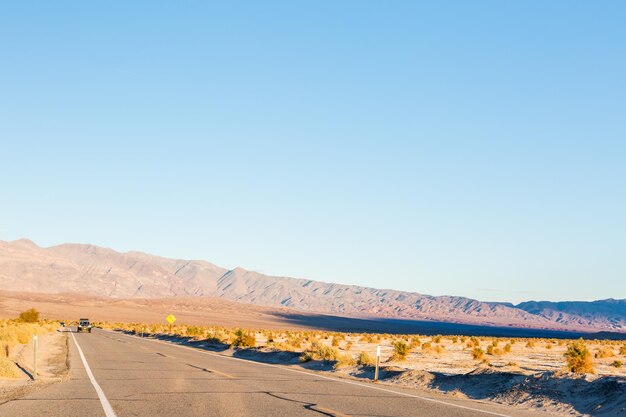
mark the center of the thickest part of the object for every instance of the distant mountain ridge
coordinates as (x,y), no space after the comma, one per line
(89,269)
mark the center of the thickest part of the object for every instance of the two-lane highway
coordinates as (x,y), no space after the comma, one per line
(113,374)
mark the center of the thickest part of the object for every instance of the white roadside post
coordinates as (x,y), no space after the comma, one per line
(35,343)
(377,363)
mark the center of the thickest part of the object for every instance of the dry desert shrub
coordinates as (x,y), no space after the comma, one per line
(578,357)
(530,344)
(370,338)
(604,352)
(473,342)
(478,353)
(415,342)
(400,350)
(622,350)
(364,359)
(295,341)
(195,331)
(344,361)
(492,350)
(29,316)
(243,339)
(439,349)
(319,351)
(507,348)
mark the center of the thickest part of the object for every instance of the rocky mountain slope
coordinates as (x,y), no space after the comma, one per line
(89,269)
(610,314)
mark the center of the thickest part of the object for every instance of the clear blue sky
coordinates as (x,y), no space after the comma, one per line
(464,148)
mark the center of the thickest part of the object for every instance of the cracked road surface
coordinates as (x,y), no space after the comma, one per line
(128,376)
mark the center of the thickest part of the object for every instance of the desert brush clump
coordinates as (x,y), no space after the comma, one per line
(415,342)
(492,350)
(604,352)
(344,361)
(195,331)
(473,342)
(29,316)
(617,364)
(364,359)
(400,350)
(243,339)
(295,341)
(439,349)
(319,351)
(478,353)
(578,357)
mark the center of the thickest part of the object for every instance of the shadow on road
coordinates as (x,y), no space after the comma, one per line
(213,345)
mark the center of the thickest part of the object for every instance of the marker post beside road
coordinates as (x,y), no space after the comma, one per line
(377,363)
(35,343)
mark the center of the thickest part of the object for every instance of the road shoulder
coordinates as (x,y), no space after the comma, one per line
(52,366)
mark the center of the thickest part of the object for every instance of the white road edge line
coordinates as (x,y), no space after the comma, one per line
(108,410)
(493,413)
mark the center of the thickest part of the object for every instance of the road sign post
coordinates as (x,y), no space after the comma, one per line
(377,363)
(35,343)
(170,319)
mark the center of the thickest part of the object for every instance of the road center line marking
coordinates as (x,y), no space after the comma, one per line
(328,411)
(108,410)
(404,394)
(213,371)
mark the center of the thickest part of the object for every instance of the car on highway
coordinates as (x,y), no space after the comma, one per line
(83,326)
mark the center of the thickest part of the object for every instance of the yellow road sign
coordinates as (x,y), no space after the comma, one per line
(170,319)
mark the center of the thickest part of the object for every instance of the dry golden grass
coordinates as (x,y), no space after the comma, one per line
(8,369)
(19,332)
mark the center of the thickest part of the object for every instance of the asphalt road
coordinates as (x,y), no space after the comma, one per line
(120,375)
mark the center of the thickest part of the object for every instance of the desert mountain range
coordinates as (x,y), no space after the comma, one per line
(92,270)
